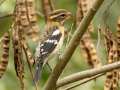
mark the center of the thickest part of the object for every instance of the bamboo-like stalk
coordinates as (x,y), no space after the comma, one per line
(84,81)
(87,73)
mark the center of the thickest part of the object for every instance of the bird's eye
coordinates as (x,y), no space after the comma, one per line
(63,15)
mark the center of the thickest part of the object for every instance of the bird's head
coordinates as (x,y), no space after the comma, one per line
(60,15)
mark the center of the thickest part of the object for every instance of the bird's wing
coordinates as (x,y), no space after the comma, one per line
(44,50)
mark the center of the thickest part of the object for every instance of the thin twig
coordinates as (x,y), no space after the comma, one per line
(74,42)
(30,68)
(88,73)
(84,81)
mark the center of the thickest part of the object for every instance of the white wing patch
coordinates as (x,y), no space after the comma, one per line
(52,41)
(56,32)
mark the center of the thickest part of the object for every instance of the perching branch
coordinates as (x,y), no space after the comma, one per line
(51,83)
(88,73)
(84,81)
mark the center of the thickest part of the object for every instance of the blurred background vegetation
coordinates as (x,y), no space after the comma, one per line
(77,63)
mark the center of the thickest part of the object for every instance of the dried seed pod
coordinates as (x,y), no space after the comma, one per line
(26,18)
(47,7)
(5,55)
(18,57)
(118,35)
(112,78)
(86,5)
(79,13)
(108,38)
(86,42)
(115,84)
(29,57)
(90,51)
(118,39)
(28,52)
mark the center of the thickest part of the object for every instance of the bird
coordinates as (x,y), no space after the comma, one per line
(52,43)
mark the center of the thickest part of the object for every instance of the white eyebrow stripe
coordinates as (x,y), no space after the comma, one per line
(56,32)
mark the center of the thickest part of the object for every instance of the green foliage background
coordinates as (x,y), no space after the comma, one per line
(77,62)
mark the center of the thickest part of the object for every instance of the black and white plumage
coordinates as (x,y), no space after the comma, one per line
(53,41)
(46,48)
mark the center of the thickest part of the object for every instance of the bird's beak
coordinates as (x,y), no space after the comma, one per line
(69,14)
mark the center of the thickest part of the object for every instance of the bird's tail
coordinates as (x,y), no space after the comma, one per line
(38,72)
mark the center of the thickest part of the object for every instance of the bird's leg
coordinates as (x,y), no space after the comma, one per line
(59,54)
(50,68)
(48,65)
